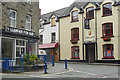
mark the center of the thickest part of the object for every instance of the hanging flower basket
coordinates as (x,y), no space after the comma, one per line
(74,41)
(107,38)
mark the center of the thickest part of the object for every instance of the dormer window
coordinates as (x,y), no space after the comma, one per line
(90,13)
(75,16)
(53,22)
(107,9)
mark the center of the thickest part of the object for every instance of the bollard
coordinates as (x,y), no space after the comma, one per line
(22,65)
(65,63)
(53,63)
(10,65)
(45,68)
(20,60)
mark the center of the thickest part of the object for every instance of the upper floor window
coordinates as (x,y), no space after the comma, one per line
(28,1)
(107,29)
(108,51)
(75,51)
(75,34)
(41,39)
(53,22)
(53,37)
(107,9)
(90,12)
(28,22)
(75,16)
(12,18)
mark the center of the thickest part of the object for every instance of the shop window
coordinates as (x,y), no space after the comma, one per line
(53,22)
(28,22)
(75,34)
(74,16)
(90,12)
(107,29)
(107,9)
(13,18)
(75,52)
(41,39)
(53,37)
(108,51)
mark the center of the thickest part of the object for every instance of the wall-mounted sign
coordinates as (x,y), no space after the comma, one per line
(20,31)
(86,22)
(42,52)
(89,35)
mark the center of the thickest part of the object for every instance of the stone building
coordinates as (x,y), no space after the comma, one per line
(19,29)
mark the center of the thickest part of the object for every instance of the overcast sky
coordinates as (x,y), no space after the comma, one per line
(52,5)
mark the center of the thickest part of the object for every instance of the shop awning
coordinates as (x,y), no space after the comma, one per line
(50,45)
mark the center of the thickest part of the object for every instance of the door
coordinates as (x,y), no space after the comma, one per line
(90,53)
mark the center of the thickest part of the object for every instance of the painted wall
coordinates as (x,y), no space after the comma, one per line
(48,29)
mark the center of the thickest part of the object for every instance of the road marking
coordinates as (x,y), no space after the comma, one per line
(84,72)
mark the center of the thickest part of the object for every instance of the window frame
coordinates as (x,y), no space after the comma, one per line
(53,21)
(103,9)
(11,18)
(112,51)
(72,34)
(88,12)
(74,20)
(41,39)
(29,22)
(52,37)
(111,29)
(73,57)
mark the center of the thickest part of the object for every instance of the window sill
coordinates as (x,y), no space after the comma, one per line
(74,21)
(53,25)
(75,58)
(109,58)
(107,15)
(107,36)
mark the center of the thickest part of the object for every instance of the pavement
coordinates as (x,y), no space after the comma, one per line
(83,70)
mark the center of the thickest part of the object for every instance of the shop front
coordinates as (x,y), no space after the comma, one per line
(17,42)
(51,49)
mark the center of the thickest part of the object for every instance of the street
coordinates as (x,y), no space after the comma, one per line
(74,71)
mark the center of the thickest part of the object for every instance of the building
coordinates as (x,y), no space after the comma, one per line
(89,32)
(49,33)
(19,29)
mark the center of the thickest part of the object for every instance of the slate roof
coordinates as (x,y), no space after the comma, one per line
(65,11)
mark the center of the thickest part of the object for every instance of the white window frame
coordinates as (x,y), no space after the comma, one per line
(28,1)
(13,18)
(28,23)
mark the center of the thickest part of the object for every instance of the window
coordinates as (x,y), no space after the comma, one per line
(13,18)
(75,51)
(41,39)
(75,34)
(28,22)
(108,51)
(53,37)
(53,22)
(75,16)
(107,29)
(90,12)
(28,1)
(107,9)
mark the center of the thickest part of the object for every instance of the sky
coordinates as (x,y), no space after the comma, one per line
(47,6)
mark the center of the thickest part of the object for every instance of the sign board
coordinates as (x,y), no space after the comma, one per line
(86,22)
(89,35)
(20,31)
(42,52)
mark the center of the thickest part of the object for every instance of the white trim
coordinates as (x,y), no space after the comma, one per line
(11,18)
(28,22)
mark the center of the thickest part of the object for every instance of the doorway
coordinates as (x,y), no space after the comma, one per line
(90,53)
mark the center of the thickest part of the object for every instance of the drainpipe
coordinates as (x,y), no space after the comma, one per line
(28,51)
(83,34)
(96,34)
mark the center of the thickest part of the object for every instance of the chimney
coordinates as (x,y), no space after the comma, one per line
(39,12)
